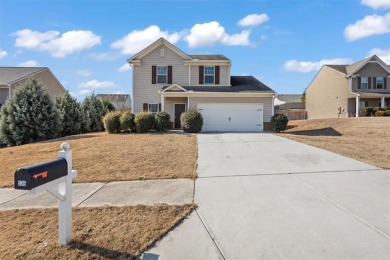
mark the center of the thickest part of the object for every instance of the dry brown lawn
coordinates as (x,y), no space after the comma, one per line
(101,157)
(365,139)
(98,233)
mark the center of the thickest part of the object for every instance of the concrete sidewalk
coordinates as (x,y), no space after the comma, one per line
(124,193)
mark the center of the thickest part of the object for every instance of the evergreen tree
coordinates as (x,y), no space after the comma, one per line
(108,106)
(29,116)
(70,113)
(94,111)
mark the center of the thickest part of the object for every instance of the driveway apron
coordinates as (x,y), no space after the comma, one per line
(264,196)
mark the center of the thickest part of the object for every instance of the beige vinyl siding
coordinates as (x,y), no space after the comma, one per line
(4,92)
(48,81)
(224,75)
(266,101)
(328,91)
(169,105)
(371,70)
(143,89)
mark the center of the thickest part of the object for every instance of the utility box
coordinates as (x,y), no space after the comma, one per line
(28,178)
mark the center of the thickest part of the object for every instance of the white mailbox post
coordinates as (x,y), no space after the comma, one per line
(50,176)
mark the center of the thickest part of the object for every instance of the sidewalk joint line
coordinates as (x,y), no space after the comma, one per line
(208,232)
(345,209)
(104,185)
(13,199)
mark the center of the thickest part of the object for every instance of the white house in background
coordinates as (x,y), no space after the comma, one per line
(120,101)
(167,79)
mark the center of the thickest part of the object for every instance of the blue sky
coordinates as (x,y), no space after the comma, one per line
(283,43)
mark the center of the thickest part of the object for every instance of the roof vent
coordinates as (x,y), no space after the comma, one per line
(162,52)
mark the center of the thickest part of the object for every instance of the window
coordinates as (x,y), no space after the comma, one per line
(379,82)
(364,83)
(363,103)
(209,75)
(153,108)
(162,72)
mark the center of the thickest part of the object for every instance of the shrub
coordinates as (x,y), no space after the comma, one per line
(29,116)
(379,113)
(278,123)
(108,106)
(386,113)
(162,121)
(94,111)
(144,121)
(127,121)
(70,114)
(191,121)
(112,122)
(370,111)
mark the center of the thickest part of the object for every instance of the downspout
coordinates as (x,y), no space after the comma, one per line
(357,96)
(273,106)
(132,89)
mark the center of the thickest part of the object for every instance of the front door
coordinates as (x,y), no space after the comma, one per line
(179,109)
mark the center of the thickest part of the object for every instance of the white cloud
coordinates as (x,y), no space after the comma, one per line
(253,19)
(370,25)
(84,73)
(376,4)
(94,84)
(212,33)
(135,41)
(124,67)
(29,63)
(309,66)
(382,54)
(3,53)
(57,45)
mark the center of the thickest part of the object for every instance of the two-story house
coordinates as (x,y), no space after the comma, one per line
(341,90)
(167,79)
(13,77)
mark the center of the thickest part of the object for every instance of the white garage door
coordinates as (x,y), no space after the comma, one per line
(226,117)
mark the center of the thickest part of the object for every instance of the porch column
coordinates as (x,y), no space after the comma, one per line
(383,101)
(357,105)
(162,103)
(188,103)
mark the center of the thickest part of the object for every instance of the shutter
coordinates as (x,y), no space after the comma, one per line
(159,107)
(169,74)
(385,83)
(359,83)
(201,71)
(154,74)
(374,87)
(216,74)
(145,107)
(369,82)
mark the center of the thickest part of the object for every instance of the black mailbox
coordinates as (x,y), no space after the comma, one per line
(33,176)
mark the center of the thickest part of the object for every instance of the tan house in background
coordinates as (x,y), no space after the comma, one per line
(341,90)
(13,77)
(167,79)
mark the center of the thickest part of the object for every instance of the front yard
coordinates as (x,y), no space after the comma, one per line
(101,157)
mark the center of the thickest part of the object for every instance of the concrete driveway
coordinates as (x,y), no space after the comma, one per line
(263,196)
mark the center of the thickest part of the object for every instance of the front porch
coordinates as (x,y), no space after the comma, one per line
(367,100)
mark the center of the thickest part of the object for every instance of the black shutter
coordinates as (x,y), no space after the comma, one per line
(159,107)
(374,87)
(201,71)
(145,107)
(369,82)
(169,74)
(359,83)
(216,74)
(154,74)
(385,83)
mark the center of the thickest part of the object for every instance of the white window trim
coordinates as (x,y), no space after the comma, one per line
(376,82)
(204,75)
(361,83)
(152,104)
(166,75)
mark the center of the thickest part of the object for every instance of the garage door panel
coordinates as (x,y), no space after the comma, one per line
(231,117)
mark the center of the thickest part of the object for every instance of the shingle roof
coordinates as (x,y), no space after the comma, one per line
(208,57)
(239,84)
(353,67)
(340,68)
(12,74)
(114,97)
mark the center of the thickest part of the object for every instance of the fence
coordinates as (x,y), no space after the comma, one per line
(293,114)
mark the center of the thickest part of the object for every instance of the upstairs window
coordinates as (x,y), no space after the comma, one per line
(364,83)
(209,75)
(162,74)
(379,82)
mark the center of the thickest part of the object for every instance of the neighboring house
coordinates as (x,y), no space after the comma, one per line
(13,77)
(167,79)
(290,105)
(341,90)
(120,101)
